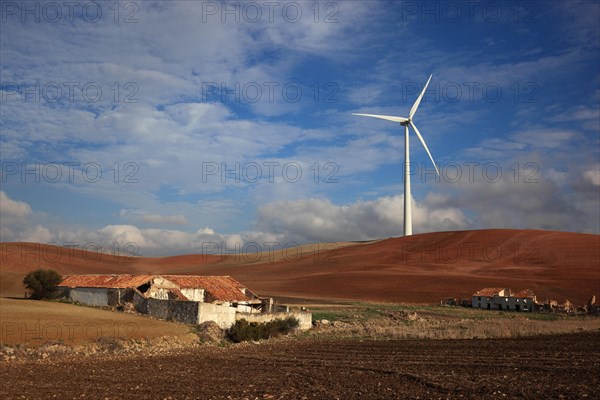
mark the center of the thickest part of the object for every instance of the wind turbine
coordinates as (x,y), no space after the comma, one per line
(405,122)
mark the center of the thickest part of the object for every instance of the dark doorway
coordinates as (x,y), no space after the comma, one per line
(500,307)
(489,306)
(517,307)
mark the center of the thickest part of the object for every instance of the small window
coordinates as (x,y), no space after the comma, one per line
(506,299)
(524,300)
(479,298)
(518,300)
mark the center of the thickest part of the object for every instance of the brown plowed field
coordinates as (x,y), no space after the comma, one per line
(535,368)
(421,268)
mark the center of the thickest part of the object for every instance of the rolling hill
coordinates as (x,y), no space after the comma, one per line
(421,268)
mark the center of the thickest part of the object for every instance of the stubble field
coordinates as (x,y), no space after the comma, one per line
(36,323)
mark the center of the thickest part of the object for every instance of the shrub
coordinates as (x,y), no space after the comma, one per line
(243,330)
(42,282)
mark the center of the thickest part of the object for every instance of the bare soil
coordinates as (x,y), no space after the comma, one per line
(533,368)
(422,268)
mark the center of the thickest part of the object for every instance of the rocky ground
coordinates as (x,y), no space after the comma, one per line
(542,367)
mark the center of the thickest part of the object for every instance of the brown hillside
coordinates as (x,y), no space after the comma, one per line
(418,269)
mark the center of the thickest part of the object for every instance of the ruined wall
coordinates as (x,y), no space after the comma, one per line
(174,310)
(89,296)
(139,303)
(305,318)
(192,312)
(170,310)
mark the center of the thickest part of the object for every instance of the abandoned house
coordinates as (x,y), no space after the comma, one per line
(504,299)
(184,298)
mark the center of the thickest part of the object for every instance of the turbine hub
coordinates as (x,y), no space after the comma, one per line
(405,122)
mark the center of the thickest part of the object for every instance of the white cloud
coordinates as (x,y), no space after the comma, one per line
(593,175)
(172,130)
(10,208)
(526,203)
(319,220)
(37,234)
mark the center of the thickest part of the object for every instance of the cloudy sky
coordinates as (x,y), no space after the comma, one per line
(166,127)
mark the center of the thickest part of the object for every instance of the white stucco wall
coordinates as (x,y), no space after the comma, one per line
(89,296)
(193,294)
(224,316)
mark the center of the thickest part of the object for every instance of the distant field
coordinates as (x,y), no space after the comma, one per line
(34,323)
(418,269)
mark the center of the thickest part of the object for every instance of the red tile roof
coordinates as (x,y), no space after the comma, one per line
(218,288)
(489,292)
(175,294)
(105,281)
(525,293)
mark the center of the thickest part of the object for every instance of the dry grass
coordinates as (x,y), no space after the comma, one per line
(384,321)
(35,323)
(466,329)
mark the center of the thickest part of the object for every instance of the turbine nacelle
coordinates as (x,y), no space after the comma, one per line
(407,121)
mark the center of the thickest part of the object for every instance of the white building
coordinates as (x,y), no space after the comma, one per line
(504,299)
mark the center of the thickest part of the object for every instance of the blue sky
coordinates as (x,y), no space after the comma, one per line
(173,125)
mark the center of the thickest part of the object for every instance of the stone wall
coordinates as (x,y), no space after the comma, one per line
(170,310)
(114,297)
(305,318)
(192,312)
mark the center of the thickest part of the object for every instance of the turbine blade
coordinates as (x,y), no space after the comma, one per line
(413,110)
(424,145)
(386,117)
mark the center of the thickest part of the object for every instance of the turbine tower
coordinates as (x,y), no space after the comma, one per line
(406,122)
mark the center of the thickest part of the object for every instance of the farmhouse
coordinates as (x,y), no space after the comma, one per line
(504,299)
(185,298)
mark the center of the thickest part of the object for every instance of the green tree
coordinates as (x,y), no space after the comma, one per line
(42,282)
